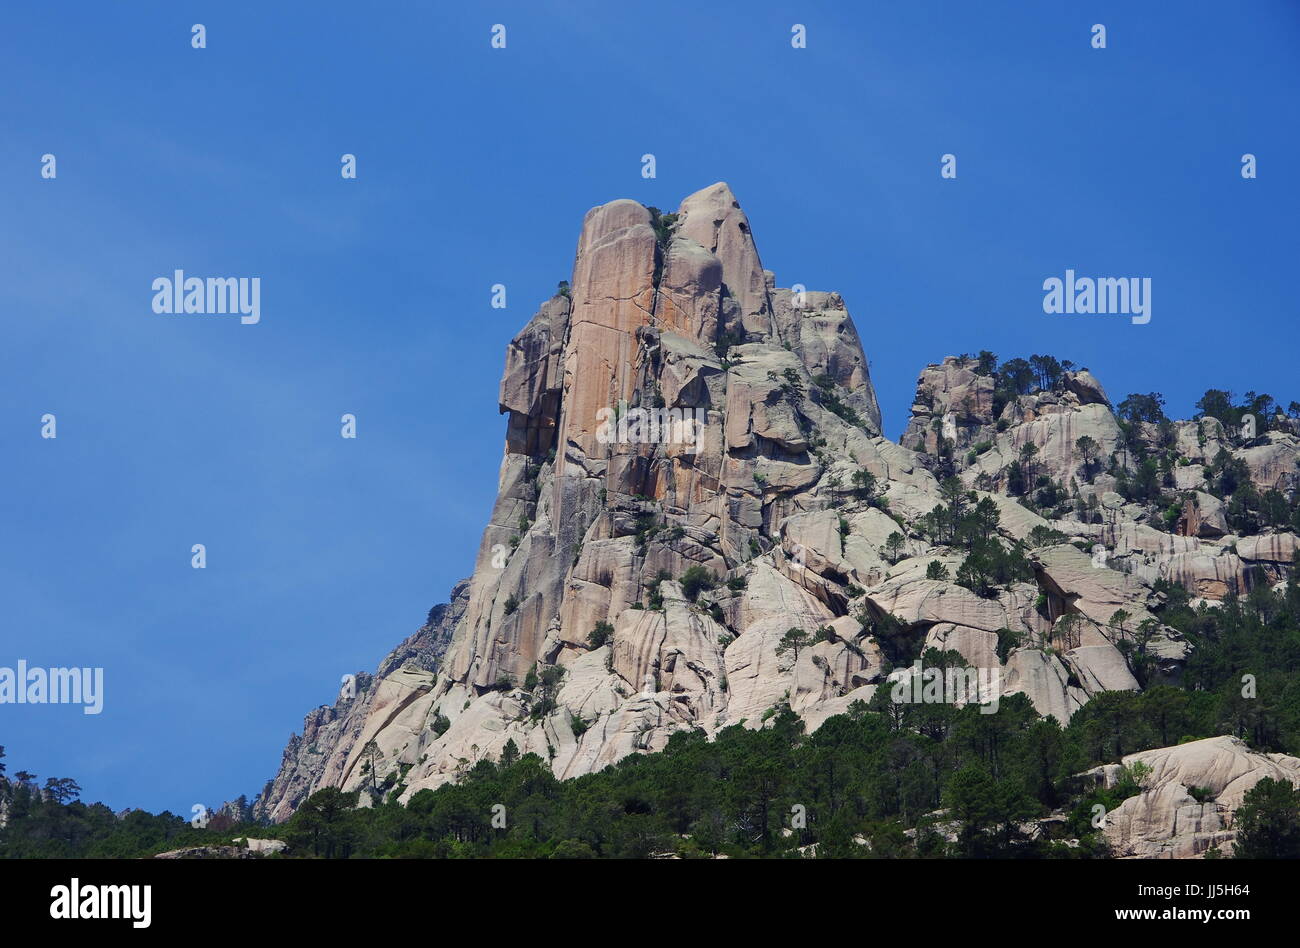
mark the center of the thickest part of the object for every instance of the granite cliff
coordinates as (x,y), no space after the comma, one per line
(695,466)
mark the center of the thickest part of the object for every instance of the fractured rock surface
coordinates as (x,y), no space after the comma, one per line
(625,590)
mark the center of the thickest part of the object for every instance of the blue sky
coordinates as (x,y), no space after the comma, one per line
(475,166)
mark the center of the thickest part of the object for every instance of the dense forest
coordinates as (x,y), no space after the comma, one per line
(883,780)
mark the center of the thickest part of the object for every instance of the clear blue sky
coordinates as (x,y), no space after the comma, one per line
(475,167)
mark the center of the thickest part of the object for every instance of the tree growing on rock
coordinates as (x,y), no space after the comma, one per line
(1028,452)
(1089,451)
(371,755)
(696,580)
(547,688)
(1069,631)
(600,634)
(509,753)
(1048,372)
(1119,618)
(62,789)
(793,640)
(1016,377)
(1149,408)
(864,485)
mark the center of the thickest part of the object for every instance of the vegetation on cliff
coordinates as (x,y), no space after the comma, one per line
(883,780)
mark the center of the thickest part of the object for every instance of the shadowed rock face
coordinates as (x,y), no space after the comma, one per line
(637,575)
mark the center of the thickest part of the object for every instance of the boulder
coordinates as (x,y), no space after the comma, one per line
(1165,821)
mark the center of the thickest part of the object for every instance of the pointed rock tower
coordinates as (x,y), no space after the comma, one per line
(698,520)
(576,636)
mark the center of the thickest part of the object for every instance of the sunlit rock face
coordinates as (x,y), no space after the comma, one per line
(694,466)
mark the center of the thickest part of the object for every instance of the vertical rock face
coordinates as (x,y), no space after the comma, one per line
(689,301)
(534,380)
(695,478)
(613,296)
(712,219)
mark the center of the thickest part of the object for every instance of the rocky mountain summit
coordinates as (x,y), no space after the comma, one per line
(699,521)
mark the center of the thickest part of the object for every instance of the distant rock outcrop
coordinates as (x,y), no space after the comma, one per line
(1187,802)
